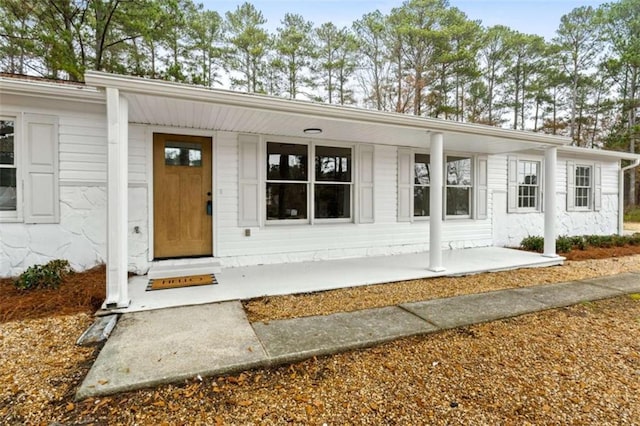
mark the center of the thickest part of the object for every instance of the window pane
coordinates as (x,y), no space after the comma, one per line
(333,164)
(527,173)
(286,161)
(458,201)
(422,169)
(7,189)
(6,142)
(527,196)
(286,201)
(421,201)
(332,201)
(182,154)
(458,171)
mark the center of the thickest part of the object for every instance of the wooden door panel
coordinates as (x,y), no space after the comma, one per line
(181,186)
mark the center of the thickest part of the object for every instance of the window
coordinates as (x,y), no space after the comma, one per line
(182,154)
(289,182)
(583,187)
(8,168)
(528,184)
(421,182)
(332,189)
(458,186)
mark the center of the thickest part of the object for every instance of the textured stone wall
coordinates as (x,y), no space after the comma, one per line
(511,228)
(81,235)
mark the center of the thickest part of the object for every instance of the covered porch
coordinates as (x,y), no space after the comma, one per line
(179,108)
(303,277)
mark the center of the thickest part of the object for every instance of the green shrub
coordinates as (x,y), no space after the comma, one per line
(43,276)
(564,244)
(533,243)
(578,242)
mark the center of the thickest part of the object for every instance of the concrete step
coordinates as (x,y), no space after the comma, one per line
(175,268)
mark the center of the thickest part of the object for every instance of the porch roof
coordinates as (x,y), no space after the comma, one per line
(162,103)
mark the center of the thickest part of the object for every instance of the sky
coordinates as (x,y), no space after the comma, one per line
(540,17)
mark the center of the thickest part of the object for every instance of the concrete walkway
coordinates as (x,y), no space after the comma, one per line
(168,345)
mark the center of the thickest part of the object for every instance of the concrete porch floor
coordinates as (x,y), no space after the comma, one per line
(303,277)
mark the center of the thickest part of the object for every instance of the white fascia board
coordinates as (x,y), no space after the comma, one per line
(128,84)
(595,153)
(51,90)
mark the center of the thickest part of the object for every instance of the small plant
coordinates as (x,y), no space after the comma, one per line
(533,243)
(44,276)
(564,244)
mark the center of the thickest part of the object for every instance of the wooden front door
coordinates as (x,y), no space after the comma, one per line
(182,213)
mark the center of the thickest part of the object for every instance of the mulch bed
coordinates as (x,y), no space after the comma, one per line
(80,292)
(601,252)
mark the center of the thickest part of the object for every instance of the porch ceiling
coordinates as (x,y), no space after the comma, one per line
(162,103)
(165,111)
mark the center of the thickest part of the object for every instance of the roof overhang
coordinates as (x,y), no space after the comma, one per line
(50,90)
(162,103)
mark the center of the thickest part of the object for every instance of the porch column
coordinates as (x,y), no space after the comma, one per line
(550,166)
(435,202)
(117,199)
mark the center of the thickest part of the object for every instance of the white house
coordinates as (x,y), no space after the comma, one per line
(128,171)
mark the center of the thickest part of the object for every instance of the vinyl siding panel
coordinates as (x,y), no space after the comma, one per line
(273,242)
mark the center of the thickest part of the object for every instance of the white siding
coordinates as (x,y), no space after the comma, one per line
(511,228)
(278,242)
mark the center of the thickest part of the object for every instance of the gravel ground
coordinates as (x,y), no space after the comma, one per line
(355,298)
(578,365)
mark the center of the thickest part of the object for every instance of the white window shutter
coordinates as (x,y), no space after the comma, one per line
(249,182)
(481,187)
(405,185)
(41,189)
(365,184)
(541,186)
(571,186)
(597,187)
(512,184)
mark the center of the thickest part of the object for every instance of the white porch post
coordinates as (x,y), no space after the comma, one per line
(550,165)
(117,199)
(435,202)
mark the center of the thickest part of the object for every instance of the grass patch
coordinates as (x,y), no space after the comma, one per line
(632,214)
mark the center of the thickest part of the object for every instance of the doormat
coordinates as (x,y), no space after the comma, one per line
(178,282)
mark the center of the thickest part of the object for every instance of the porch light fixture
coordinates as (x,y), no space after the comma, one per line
(312,131)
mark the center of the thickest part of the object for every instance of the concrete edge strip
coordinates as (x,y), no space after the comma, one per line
(89,392)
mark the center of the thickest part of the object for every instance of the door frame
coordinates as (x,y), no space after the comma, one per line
(148,141)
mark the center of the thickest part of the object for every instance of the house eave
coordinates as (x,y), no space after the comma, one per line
(51,90)
(185,92)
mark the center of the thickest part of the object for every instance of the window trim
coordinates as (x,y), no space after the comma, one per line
(311,182)
(538,199)
(472,159)
(473,187)
(17,214)
(590,194)
(414,184)
(515,209)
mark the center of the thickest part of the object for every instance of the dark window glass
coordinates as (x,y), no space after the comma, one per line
(421,201)
(458,201)
(332,201)
(182,154)
(286,201)
(6,142)
(333,164)
(286,161)
(458,171)
(8,186)
(7,189)
(422,169)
